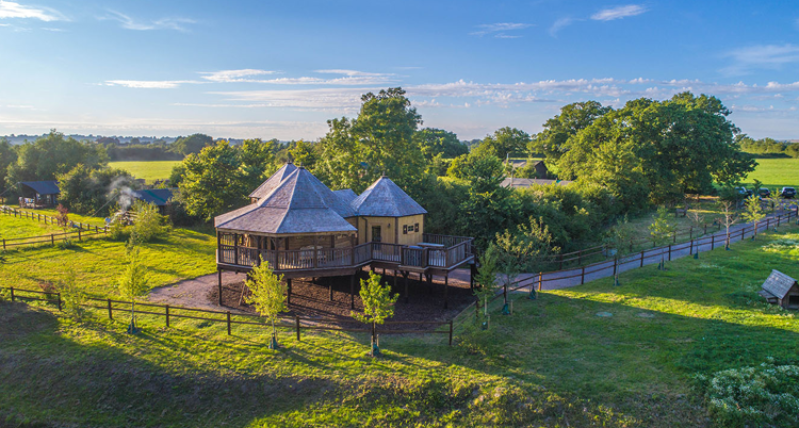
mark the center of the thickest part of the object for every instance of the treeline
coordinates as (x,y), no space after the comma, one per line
(135,150)
(768,146)
(624,161)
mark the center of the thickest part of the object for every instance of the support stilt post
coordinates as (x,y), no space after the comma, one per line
(446,287)
(219,276)
(352,291)
(288,291)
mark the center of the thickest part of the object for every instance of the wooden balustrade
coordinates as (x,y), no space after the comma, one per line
(320,258)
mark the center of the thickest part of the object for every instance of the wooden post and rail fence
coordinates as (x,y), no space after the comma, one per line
(80,230)
(296,323)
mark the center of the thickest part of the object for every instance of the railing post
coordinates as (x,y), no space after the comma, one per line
(582,277)
(450,332)
(110,310)
(228,323)
(297,323)
(167,315)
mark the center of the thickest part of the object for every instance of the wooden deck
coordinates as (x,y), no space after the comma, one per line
(454,251)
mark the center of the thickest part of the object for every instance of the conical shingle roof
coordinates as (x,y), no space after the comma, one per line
(300,203)
(385,199)
(269,185)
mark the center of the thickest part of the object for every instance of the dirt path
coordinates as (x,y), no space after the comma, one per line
(193,292)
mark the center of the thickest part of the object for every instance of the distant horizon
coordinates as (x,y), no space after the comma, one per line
(246,68)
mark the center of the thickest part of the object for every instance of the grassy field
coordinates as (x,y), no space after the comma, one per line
(776,173)
(148,170)
(15,227)
(553,363)
(98,262)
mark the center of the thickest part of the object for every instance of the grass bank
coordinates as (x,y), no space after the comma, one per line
(554,362)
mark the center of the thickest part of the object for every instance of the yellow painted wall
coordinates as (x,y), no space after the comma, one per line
(391,229)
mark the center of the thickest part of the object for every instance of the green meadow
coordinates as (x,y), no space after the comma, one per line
(776,173)
(555,362)
(147,170)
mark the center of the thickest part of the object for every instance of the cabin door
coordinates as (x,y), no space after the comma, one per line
(376,235)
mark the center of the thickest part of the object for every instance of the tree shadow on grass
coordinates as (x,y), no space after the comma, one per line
(49,377)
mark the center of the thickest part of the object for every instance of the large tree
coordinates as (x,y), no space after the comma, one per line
(554,140)
(659,148)
(192,144)
(213,181)
(52,155)
(434,142)
(379,141)
(503,142)
(8,156)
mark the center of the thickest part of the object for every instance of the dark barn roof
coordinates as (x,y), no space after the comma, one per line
(159,197)
(43,187)
(385,199)
(272,182)
(299,204)
(778,284)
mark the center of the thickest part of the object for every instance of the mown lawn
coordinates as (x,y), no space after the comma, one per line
(147,170)
(16,227)
(554,362)
(776,173)
(98,262)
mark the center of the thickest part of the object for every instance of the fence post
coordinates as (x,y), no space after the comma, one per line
(691,250)
(228,323)
(58,295)
(615,265)
(642,258)
(12,294)
(712,242)
(167,315)
(768,221)
(540,280)
(78,233)
(297,323)
(669,252)
(4,244)
(450,332)
(110,310)
(582,277)
(52,239)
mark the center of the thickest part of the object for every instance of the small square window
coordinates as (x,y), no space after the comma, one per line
(416,227)
(405,229)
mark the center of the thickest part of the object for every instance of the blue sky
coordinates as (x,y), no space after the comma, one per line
(281,69)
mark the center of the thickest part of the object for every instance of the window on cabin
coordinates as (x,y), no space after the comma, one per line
(376,234)
(793,300)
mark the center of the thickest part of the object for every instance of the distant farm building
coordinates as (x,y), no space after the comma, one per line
(157,197)
(523,183)
(305,230)
(38,194)
(781,289)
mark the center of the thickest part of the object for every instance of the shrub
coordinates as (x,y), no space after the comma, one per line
(149,224)
(765,395)
(72,295)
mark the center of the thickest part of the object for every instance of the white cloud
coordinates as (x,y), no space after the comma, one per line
(761,57)
(148,84)
(129,23)
(499,28)
(559,25)
(229,76)
(618,12)
(322,99)
(10,9)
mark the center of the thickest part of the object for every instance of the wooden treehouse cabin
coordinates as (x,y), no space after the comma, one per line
(305,230)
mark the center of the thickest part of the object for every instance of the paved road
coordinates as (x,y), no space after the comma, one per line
(574,277)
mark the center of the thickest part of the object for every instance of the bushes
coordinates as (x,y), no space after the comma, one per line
(765,395)
(149,223)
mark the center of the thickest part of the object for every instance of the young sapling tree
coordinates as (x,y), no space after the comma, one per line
(378,305)
(267,295)
(618,239)
(729,218)
(133,284)
(753,213)
(661,229)
(487,278)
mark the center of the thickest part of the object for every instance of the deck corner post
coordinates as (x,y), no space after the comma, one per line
(288,291)
(446,288)
(352,290)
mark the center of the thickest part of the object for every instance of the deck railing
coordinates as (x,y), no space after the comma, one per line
(323,258)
